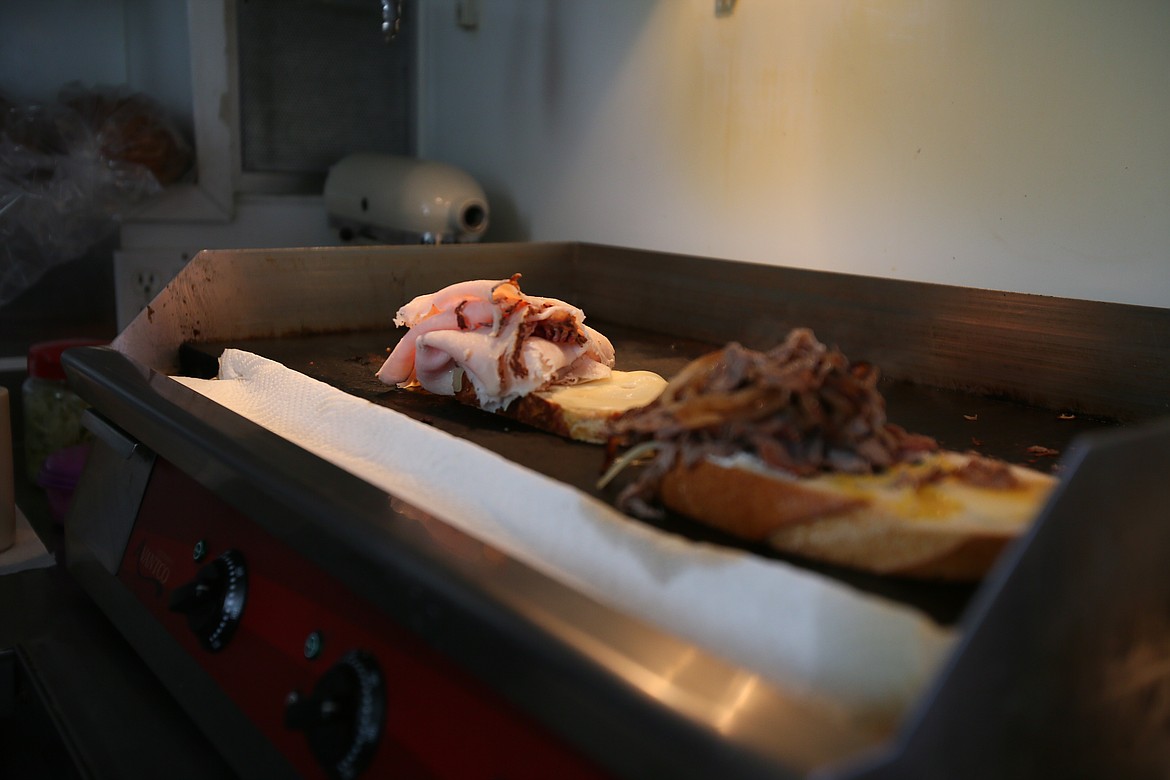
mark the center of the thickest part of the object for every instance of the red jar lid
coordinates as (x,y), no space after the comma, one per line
(44,358)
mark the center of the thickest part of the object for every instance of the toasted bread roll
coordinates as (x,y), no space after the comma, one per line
(946,516)
(582,411)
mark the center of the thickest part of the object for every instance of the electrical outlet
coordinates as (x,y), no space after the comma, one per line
(140,275)
(146,282)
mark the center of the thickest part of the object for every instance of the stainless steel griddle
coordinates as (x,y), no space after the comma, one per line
(992,371)
(962,420)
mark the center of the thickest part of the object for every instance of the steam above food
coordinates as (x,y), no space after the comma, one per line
(505,343)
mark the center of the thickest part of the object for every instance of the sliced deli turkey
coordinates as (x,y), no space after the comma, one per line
(491,345)
(792,447)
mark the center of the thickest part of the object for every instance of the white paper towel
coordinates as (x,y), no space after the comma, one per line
(806,633)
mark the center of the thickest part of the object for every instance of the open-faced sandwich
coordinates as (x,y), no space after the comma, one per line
(791,447)
(534,359)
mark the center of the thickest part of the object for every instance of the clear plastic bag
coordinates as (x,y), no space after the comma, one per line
(70,169)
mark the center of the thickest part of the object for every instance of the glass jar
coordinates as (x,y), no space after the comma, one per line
(52,412)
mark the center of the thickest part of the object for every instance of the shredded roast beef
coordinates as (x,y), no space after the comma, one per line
(802,407)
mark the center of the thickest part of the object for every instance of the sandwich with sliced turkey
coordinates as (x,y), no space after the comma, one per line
(488,344)
(792,448)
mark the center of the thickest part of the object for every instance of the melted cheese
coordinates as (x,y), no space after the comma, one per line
(947,502)
(620,391)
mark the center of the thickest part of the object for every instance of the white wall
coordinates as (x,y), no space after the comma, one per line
(1016,145)
(1011,145)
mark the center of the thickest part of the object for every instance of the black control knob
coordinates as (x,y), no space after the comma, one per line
(343,717)
(214,600)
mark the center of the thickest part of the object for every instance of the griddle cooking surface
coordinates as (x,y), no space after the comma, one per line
(960,421)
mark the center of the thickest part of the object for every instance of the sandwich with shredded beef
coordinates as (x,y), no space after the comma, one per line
(792,447)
